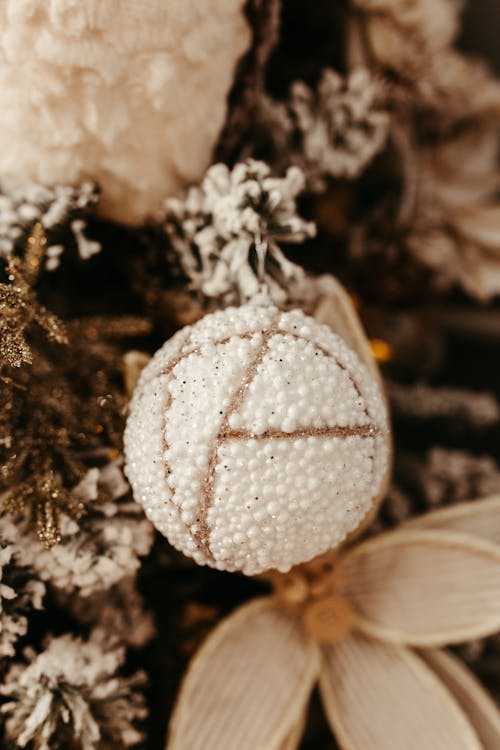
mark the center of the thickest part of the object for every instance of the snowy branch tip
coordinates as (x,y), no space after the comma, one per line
(226,232)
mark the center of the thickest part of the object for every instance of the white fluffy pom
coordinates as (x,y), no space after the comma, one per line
(130,94)
(256,439)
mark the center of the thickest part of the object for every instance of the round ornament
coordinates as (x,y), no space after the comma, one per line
(256,439)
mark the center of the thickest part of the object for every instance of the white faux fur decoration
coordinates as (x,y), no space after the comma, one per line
(129,93)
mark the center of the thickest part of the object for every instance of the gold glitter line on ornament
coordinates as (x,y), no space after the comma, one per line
(335,431)
(202,534)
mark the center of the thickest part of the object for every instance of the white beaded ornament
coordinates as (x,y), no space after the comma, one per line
(256,439)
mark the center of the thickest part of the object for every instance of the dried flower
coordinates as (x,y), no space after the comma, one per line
(448,221)
(368,626)
(226,232)
(71,693)
(451,88)
(456,226)
(439,210)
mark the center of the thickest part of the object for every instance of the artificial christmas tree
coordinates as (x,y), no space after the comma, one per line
(236,186)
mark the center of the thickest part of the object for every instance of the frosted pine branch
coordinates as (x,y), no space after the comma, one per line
(440,477)
(71,695)
(455,476)
(20,591)
(102,547)
(423,402)
(342,125)
(330,131)
(52,207)
(227,232)
(118,612)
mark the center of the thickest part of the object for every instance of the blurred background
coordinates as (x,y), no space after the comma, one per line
(481,22)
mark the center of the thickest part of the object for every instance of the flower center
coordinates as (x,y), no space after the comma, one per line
(313,592)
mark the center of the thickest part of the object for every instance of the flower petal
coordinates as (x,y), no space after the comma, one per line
(383,697)
(481,224)
(480,709)
(336,310)
(479,518)
(293,740)
(248,686)
(424,587)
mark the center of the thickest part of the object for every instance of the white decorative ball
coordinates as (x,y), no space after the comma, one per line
(256,439)
(128,93)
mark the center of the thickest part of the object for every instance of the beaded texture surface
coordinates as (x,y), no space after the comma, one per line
(256,440)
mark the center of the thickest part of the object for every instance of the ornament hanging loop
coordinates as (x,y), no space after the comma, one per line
(263,296)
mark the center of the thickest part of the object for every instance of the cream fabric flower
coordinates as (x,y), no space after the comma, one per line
(128,93)
(369,629)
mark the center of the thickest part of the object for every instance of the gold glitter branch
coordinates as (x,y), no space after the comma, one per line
(65,412)
(19,307)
